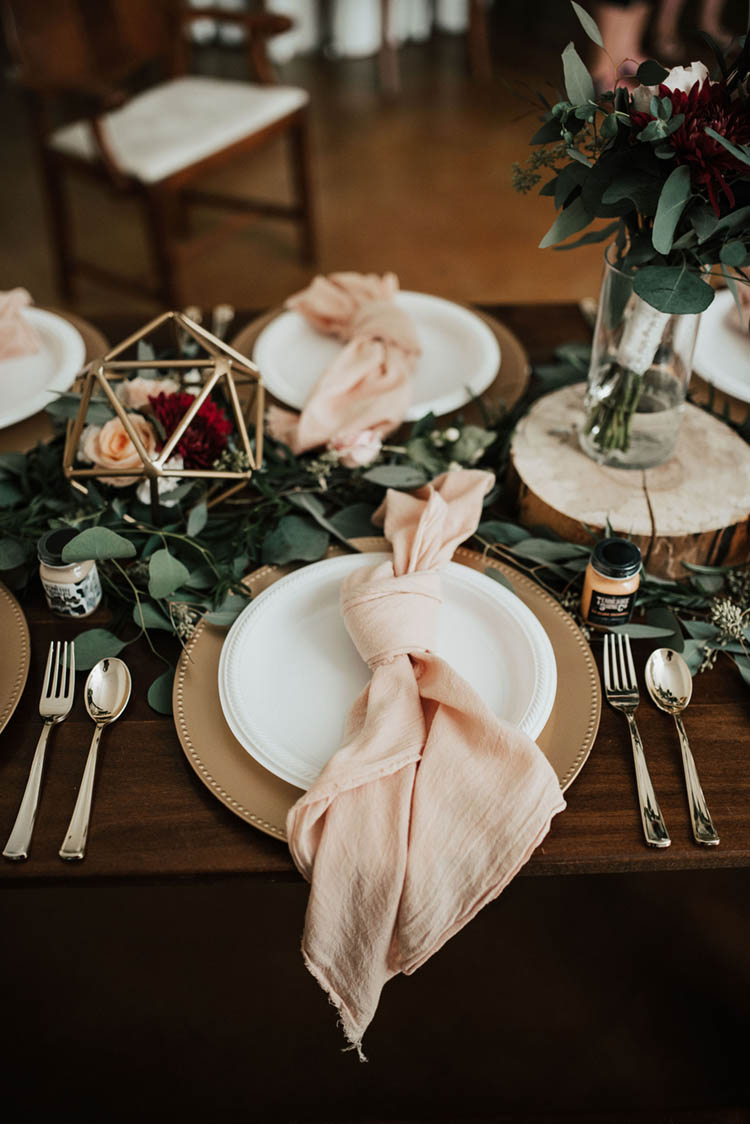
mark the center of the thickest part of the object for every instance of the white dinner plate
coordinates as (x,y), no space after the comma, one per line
(31,382)
(722,351)
(460,355)
(289,672)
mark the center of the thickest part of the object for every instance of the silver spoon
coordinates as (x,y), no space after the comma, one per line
(670,685)
(106,694)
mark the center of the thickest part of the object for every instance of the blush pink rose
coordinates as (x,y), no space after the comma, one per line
(109,446)
(356,449)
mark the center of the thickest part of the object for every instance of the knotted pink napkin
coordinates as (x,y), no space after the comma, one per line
(367,387)
(17,336)
(433,804)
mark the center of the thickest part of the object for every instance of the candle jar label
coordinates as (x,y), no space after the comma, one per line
(610,608)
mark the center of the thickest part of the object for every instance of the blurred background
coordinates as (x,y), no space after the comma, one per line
(411,156)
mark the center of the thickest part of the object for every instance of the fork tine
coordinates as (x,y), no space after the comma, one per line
(51,684)
(47,670)
(615,665)
(626,683)
(633,680)
(607,683)
(71,671)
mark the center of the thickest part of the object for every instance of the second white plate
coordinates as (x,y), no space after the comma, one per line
(460,355)
(31,382)
(722,351)
(289,671)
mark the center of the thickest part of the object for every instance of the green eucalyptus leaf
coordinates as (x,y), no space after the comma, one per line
(548,132)
(693,653)
(229,610)
(295,540)
(97,543)
(640,631)
(609,126)
(579,84)
(165,574)
(96,644)
(662,617)
(499,576)
(160,693)
(733,254)
(572,176)
(701,630)
(146,615)
(588,23)
(396,476)
(743,666)
(355,521)
(740,152)
(10,495)
(570,220)
(197,519)
(704,221)
(494,530)
(672,289)
(651,73)
(543,550)
(600,235)
(422,452)
(67,405)
(12,464)
(672,202)
(642,188)
(12,554)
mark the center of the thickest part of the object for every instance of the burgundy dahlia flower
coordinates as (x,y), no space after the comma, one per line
(206,436)
(706,104)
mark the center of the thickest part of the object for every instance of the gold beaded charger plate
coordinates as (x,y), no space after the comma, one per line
(15,654)
(263,799)
(509,383)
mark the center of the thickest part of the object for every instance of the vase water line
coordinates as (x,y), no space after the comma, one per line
(641,361)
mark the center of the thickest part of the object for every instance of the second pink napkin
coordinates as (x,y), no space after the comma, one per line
(366,390)
(433,804)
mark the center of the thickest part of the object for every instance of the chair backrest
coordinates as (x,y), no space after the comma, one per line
(65,41)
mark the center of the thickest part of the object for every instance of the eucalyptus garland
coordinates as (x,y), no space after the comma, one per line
(161,579)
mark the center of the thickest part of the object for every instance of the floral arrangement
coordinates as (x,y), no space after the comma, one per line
(161,580)
(668,164)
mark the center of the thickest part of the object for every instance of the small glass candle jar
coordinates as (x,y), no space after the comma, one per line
(610,583)
(72,589)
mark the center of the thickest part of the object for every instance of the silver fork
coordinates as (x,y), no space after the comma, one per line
(621,687)
(54,705)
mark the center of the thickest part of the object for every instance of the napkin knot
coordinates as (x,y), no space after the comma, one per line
(389,616)
(384,320)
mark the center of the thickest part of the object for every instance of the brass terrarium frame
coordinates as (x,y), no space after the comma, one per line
(223,365)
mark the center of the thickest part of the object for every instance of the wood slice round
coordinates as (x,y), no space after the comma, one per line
(695,508)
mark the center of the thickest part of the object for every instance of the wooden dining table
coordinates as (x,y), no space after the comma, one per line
(161,977)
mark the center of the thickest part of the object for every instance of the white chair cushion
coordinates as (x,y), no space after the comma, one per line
(175,124)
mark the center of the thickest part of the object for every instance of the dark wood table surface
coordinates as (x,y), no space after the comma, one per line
(169,958)
(153,818)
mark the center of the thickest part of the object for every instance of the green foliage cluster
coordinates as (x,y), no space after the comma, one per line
(608,167)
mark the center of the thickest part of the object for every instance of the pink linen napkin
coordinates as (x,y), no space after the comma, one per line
(17,336)
(433,804)
(367,387)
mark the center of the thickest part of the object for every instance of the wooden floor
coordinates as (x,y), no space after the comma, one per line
(419,184)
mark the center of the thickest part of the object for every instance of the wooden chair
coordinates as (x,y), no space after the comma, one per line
(156,143)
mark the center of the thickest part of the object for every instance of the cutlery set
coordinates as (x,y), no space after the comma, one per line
(670,686)
(106,693)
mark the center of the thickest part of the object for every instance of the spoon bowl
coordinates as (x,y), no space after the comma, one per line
(107,690)
(668,680)
(670,686)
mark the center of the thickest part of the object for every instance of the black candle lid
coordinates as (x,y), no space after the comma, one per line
(616,558)
(50,546)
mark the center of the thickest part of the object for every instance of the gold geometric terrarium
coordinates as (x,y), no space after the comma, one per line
(223,367)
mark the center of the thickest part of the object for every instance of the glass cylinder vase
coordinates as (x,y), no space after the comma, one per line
(641,361)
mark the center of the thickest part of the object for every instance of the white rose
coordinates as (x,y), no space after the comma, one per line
(685,77)
(355,450)
(164,484)
(679,78)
